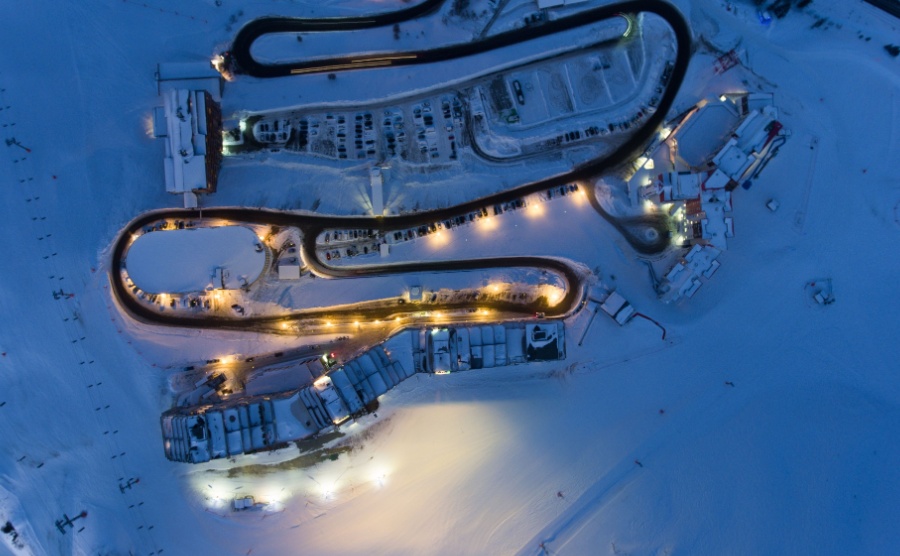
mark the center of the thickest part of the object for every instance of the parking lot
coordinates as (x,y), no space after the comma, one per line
(425,131)
(333,245)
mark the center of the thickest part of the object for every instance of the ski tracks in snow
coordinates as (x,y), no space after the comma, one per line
(554,537)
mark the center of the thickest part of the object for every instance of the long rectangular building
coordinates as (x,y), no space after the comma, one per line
(461,348)
(201,433)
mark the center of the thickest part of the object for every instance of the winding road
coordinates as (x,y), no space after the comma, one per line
(647,235)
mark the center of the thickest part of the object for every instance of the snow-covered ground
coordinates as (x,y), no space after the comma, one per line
(632,445)
(187,260)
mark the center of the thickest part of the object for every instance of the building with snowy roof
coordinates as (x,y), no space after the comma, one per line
(252,424)
(716,146)
(684,278)
(200,433)
(461,348)
(359,382)
(746,149)
(191,123)
(242,426)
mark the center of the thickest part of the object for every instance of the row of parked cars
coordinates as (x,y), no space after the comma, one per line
(369,241)
(560,191)
(348,235)
(352,250)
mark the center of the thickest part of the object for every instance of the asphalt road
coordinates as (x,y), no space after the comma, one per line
(890,6)
(312,225)
(246,63)
(647,234)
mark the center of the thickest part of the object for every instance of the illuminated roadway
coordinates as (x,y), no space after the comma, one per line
(311,226)
(636,230)
(633,229)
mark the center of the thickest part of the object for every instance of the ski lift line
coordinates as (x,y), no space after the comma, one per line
(800,216)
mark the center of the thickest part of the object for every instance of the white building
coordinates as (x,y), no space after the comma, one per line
(202,433)
(618,308)
(191,123)
(268,422)
(683,279)
(746,148)
(462,348)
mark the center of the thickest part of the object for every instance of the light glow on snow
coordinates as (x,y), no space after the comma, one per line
(555,296)
(487,224)
(440,238)
(535,210)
